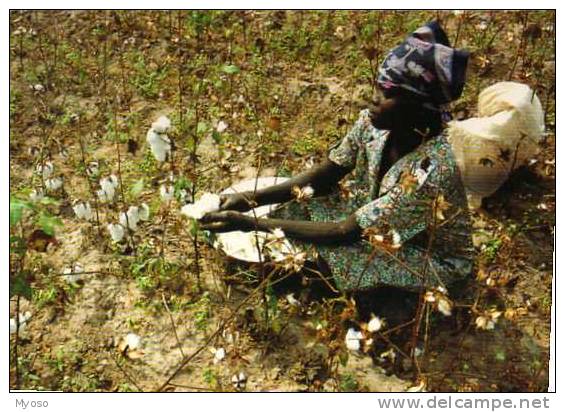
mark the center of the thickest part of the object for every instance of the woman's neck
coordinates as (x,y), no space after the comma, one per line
(398,145)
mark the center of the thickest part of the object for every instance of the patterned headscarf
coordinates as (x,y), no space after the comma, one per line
(425,66)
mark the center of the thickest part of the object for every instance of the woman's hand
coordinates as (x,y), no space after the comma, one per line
(226,222)
(238,201)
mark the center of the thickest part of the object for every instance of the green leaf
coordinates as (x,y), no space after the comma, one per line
(20,286)
(201,128)
(16,210)
(217,137)
(48,223)
(230,69)
(137,188)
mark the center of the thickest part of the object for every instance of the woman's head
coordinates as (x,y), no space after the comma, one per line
(402,112)
(417,77)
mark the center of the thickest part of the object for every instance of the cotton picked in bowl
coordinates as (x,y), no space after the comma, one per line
(209,202)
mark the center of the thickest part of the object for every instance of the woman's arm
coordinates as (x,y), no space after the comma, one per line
(345,231)
(322,178)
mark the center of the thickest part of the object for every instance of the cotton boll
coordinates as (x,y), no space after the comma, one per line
(116,232)
(73,274)
(221,127)
(167,193)
(36,195)
(46,169)
(108,186)
(219,355)
(278,233)
(93,168)
(162,124)
(129,219)
(24,317)
(133,341)
(54,184)
(144,211)
(83,211)
(308,191)
(114,180)
(160,145)
(444,306)
(375,324)
(353,339)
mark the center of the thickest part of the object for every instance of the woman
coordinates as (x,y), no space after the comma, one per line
(403,219)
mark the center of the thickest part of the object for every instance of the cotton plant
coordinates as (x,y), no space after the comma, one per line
(93,168)
(357,340)
(353,339)
(167,193)
(107,191)
(488,319)
(221,126)
(131,346)
(72,274)
(219,354)
(24,318)
(437,297)
(239,380)
(53,184)
(36,195)
(128,220)
(117,232)
(302,193)
(158,140)
(83,211)
(46,170)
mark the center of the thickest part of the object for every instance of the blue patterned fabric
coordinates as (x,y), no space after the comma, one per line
(405,205)
(426,67)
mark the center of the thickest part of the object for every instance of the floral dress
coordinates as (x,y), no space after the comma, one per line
(416,223)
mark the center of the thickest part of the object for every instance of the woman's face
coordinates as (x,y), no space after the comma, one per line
(394,113)
(385,113)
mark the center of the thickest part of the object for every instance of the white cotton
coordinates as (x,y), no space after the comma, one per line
(46,170)
(375,324)
(160,145)
(93,169)
(83,211)
(308,191)
(444,306)
(53,184)
(130,218)
(396,239)
(221,127)
(219,355)
(161,125)
(144,212)
(73,274)
(108,185)
(292,301)
(133,341)
(114,180)
(209,202)
(278,233)
(421,176)
(353,339)
(167,193)
(116,232)
(36,195)
(24,317)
